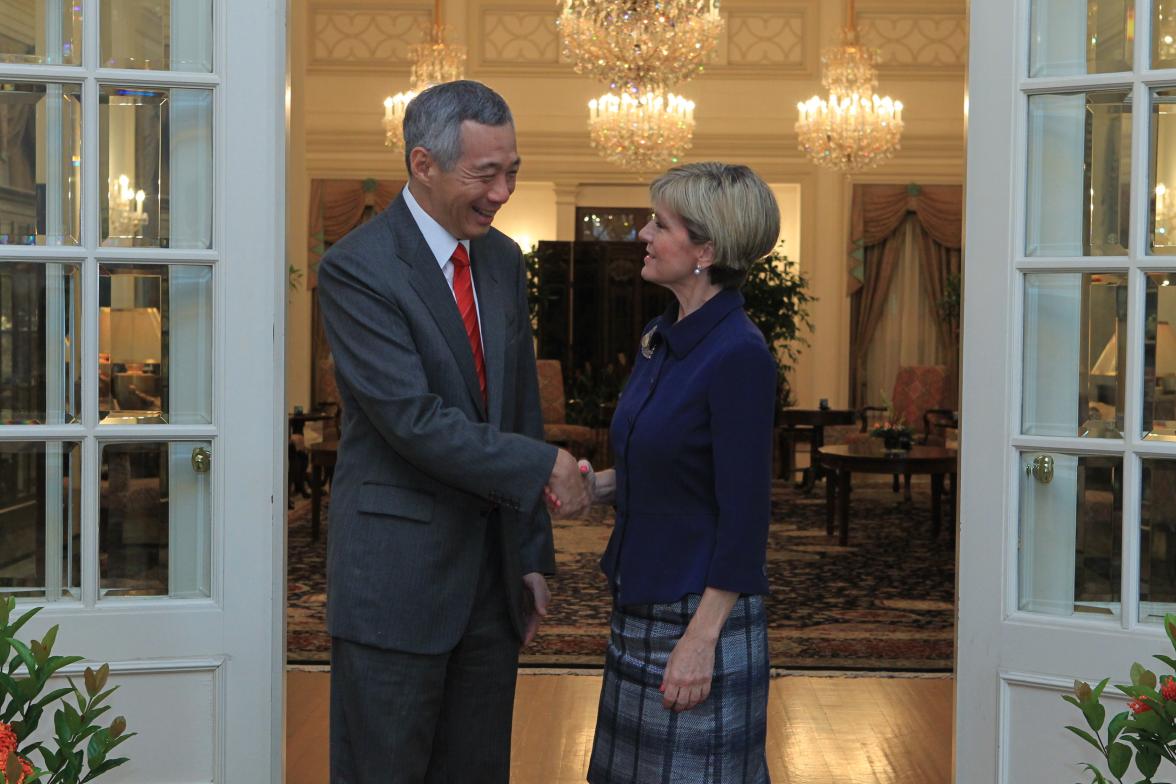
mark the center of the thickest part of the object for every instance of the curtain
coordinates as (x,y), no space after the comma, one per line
(908,330)
(876,217)
(337,207)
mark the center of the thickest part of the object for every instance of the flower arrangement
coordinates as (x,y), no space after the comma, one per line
(891,429)
(80,747)
(1145,731)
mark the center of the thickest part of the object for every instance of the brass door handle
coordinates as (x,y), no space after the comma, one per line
(1041,469)
(201,460)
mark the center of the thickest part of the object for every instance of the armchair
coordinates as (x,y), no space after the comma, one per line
(919,399)
(577,439)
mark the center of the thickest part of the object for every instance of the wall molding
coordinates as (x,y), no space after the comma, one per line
(566,156)
(365,37)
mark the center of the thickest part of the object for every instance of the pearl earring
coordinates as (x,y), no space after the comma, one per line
(697,270)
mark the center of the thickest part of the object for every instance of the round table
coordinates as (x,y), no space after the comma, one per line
(842,461)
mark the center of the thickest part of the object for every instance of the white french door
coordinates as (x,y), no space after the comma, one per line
(141,416)
(1067,546)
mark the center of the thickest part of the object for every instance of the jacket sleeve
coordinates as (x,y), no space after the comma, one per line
(377,359)
(536,548)
(742,398)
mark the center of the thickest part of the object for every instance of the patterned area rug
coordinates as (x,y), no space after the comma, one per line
(885,602)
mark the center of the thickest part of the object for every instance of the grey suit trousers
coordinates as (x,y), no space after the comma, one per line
(450,713)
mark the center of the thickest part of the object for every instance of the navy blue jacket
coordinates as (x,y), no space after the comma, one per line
(692,435)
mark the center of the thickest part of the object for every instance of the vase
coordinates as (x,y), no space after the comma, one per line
(896,444)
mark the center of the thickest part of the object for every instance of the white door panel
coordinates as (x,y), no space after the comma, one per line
(1065,355)
(141,223)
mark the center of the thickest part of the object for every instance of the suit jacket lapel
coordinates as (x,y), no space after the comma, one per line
(492,308)
(429,282)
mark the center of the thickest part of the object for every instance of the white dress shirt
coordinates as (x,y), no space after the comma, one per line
(443,244)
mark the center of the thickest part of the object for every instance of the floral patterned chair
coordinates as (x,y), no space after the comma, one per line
(577,439)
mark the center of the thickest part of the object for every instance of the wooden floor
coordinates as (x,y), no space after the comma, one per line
(821,730)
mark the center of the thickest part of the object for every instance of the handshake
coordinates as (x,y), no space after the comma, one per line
(574,486)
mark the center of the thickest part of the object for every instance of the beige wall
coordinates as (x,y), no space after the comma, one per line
(348,54)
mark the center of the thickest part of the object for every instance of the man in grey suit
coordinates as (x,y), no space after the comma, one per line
(439,537)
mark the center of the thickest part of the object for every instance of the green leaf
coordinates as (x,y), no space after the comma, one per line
(1095,714)
(60,726)
(1141,676)
(96,748)
(49,756)
(1116,725)
(1098,776)
(73,719)
(12,768)
(1147,760)
(1086,736)
(21,621)
(103,675)
(55,663)
(1170,628)
(1082,690)
(110,764)
(1118,759)
(118,726)
(1168,660)
(50,638)
(91,678)
(39,652)
(26,656)
(53,696)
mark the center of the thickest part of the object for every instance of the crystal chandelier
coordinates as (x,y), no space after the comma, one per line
(125,206)
(852,129)
(639,45)
(642,133)
(433,62)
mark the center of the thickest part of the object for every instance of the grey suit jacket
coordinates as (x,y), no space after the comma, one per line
(423,469)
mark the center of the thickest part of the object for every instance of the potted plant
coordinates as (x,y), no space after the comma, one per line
(1146,731)
(777,301)
(80,747)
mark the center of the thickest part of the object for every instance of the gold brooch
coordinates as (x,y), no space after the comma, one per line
(647,345)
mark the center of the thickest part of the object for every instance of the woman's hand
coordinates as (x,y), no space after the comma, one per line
(602,485)
(691,667)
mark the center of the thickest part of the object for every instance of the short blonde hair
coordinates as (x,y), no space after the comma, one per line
(726,204)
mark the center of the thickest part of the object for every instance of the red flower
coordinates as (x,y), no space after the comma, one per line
(1138,706)
(1168,690)
(8,743)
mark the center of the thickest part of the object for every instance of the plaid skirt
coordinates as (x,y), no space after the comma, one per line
(720,741)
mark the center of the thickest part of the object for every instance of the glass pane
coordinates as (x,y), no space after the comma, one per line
(1079,169)
(159,35)
(40,343)
(154,344)
(40,519)
(1162,226)
(154,521)
(40,171)
(46,32)
(1064,41)
(610,224)
(1075,368)
(1069,545)
(1157,543)
(1159,357)
(1163,34)
(156,162)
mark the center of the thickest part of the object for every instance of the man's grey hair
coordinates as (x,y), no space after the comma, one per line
(433,119)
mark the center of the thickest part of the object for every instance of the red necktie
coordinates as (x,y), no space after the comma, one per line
(463,291)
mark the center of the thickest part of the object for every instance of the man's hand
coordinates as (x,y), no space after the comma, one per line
(536,587)
(567,489)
